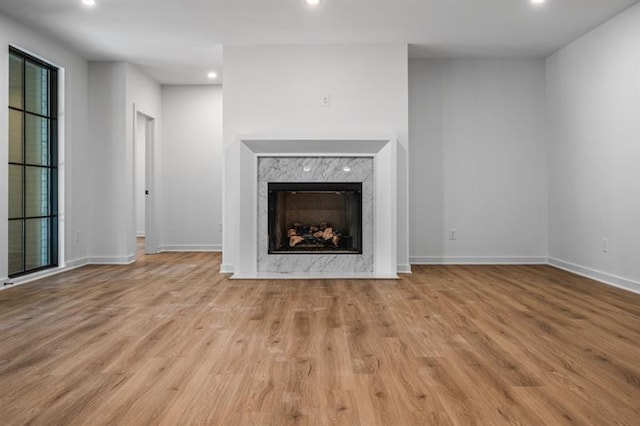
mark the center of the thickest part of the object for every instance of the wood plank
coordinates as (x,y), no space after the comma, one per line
(169,340)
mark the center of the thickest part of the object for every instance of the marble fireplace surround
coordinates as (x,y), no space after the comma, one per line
(373,162)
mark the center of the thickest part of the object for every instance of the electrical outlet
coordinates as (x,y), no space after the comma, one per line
(77,236)
(220,226)
(605,245)
(325,100)
(453,233)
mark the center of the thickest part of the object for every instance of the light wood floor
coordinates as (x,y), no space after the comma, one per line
(170,341)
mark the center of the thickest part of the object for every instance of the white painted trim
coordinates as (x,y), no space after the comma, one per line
(385,205)
(246,260)
(62,161)
(404,268)
(603,277)
(382,149)
(77,263)
(335,146)
(111,260)
(150,199)
(190,247)
(227,268)
(478,260)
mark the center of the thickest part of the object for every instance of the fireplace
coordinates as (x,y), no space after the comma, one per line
(315,218)
(370,163)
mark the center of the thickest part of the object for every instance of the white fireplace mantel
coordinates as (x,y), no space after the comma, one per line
(383,150)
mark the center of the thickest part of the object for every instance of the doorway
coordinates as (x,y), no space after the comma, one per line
(143,147)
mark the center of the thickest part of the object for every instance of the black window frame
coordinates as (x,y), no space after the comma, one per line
(52,167)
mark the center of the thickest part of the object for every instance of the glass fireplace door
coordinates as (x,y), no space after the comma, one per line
(315,218)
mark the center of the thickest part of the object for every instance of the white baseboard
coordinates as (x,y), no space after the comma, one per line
(603,277)
(70,265)
(403,269)
(76,263)
(190,247)
(478,260)
(227,268)
(111,260)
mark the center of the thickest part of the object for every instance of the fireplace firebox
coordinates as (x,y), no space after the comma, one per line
(315,218)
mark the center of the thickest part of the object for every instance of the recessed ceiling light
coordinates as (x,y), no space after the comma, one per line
(313,2)
(212,74)
(346,169)
(306,169)
(89,2)
(537,1)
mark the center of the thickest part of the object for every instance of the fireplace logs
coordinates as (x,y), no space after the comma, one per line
(311,236)
(315,217)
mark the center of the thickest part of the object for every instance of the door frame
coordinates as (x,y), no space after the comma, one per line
(151,244)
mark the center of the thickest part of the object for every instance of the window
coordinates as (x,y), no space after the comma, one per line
(33,161)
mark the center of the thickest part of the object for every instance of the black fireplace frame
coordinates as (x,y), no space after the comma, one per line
(321,187)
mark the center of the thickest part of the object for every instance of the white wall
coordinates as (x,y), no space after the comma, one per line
(72,119)
(144,95)
(594,111)
(106,139)
(192,167)
(115,89)
(276,91)
(478,161)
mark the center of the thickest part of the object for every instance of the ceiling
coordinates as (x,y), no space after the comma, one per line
(178,41)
